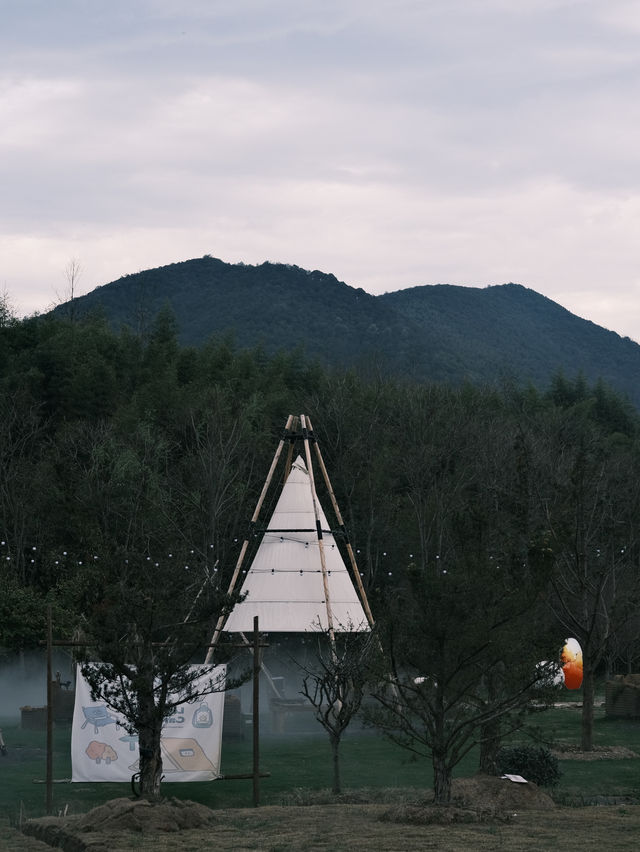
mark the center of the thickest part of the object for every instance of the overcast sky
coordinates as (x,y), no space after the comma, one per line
(389,142)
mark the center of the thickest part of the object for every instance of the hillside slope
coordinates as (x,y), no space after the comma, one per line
(431,332)
(513,331)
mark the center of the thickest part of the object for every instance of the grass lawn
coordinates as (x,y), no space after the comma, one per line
(301,761)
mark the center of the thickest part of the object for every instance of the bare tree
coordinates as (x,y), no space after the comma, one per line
(336,685)
(72,272)
(591,498)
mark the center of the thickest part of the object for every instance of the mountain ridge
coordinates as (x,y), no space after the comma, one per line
(436,332)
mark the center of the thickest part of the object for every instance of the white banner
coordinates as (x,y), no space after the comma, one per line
(102,750)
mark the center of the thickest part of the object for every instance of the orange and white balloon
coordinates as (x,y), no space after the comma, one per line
(571,658)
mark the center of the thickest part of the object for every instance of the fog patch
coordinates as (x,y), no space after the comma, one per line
(23,680)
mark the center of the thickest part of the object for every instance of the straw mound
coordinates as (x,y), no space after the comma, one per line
(490,791)
(142,815)
(117,816)
(483,798)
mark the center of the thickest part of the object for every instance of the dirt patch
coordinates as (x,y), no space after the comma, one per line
(569,751)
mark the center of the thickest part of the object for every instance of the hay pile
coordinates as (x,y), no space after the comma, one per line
(481,799)
(116,817)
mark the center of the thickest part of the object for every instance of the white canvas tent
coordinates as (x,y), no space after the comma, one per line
(285,584)
(298,581)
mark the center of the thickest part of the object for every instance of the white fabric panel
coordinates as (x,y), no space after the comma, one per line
(284,583)
(101,749)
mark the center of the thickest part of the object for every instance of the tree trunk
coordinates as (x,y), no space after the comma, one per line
(489,747)
(588,696)
(441,780)
(149,733)
(150,762)
(335,749)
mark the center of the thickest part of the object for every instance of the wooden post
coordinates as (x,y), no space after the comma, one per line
(49,776)
(256,714)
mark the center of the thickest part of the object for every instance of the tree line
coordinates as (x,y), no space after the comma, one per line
(489,523)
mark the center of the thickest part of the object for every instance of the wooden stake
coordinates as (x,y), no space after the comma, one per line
(49,775)
(256,713)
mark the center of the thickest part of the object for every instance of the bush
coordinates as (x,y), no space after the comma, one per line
(536,764)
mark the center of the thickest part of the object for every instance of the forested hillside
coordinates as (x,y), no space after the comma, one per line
(434,333)
(111,440)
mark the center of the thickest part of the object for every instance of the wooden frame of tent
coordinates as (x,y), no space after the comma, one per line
(299,428)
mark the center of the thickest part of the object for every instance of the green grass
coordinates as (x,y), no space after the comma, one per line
(302,761)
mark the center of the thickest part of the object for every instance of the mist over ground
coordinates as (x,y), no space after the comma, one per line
(23,680)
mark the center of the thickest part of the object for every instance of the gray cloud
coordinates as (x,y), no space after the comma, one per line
(391,142)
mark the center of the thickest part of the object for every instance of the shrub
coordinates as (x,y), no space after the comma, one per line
(535,763)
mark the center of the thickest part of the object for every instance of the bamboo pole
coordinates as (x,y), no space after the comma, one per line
(352,558)
(323,564)
(292,439)
(336,509)
(245,544)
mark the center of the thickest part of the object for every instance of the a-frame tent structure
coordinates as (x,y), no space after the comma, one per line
(298,581)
